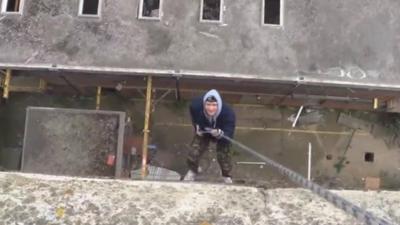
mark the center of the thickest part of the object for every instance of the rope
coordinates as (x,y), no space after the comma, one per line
(359,213)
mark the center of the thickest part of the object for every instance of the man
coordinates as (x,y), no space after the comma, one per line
(212,119)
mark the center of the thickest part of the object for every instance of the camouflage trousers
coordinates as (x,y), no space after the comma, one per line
(200,145)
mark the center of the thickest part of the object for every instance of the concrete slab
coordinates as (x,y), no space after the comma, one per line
(72,142)
(43,199)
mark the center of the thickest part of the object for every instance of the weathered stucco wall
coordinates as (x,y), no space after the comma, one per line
(41,199)
(356,41)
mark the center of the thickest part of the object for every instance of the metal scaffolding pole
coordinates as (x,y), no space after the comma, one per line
(6,84)
(98,98)
(146,130)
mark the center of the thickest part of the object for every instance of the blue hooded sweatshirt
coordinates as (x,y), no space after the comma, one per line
(224,119)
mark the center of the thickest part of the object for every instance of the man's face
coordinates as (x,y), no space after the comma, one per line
(211,108)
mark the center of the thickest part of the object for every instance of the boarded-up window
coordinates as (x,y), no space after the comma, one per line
(272,12)
(211,10)
(150,9)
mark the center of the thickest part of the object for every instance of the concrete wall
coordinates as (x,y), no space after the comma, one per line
(354,41)
(386,164)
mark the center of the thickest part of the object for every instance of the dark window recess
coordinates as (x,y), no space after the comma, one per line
(211,10)
(90,7)
(369,157)
(272,12)
(151,8)
(13,5)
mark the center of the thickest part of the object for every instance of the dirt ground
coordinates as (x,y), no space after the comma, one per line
(337,154)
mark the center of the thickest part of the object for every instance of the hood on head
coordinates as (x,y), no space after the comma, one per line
(216,95)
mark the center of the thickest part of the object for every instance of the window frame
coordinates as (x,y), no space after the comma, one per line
(98,15)
(4,11)
(281,15)
(154,18)
(221,13)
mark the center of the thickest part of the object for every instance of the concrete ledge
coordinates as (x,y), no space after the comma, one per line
(43,199)
(304,79)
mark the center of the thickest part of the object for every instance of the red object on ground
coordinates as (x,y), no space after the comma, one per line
(110,160)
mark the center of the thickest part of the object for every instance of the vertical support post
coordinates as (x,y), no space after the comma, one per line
(376,103)
(146,130)
(42,85)
(178,90)
(120,146)
(6,85)
(309,161)
(98,98)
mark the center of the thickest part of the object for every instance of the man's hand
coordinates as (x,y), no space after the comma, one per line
(198,131)
(217,133)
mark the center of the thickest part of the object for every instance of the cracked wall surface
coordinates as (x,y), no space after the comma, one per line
(43,199)
(352,41)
